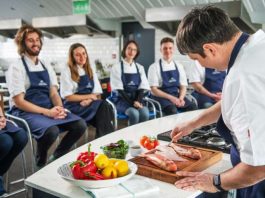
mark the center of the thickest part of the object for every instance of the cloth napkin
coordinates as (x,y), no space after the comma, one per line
(136,187)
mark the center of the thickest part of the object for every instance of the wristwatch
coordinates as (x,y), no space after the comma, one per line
(217,182)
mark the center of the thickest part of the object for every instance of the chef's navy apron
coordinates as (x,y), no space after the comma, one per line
(85,86)
(131,82)
(213,83)
(39,94)
(170,85)
(257,190)
(9,128)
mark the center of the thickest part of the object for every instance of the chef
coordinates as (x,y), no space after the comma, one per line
(129,79)
(168,81)
(33,88)
(207,83)
(81,90)
(209,36)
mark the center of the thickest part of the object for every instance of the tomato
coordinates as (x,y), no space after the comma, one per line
(149,145)
(142,140)
(149,142)
(156,143)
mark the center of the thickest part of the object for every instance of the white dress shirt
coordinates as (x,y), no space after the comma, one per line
(196,73)
(69,87)
(243,104)
(115,75)
(154,73)
(18,80)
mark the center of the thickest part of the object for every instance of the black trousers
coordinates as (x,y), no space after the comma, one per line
(172,109)
(103,120)
(74,131)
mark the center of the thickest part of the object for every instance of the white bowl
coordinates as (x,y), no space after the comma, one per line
(65,172)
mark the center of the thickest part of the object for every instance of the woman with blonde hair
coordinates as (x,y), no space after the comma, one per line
(80,89)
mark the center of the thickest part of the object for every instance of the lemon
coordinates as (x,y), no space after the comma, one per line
(109,172)
(112,161)
(101,161)
(122,168)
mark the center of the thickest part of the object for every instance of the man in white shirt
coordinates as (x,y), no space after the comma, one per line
(33,89)
(168,81)
(208,84)
(209,36)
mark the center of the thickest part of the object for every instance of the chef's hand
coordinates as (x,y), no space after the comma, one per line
(137,105)
(196,181)
(182,129)
(86,102)
(2,122)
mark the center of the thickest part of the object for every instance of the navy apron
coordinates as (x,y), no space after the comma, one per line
(257,190)
(9,128)
(213,83)
(85,86)
(39,94)
(131,82)
(170,85)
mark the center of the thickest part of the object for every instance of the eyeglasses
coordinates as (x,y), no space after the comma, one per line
(132,49)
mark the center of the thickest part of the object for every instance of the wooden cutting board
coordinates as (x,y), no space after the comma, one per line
(147,169)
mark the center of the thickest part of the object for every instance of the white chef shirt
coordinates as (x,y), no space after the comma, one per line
(69,87)
(154,73)
(243,104)
(18,80)
(115,75)
(196,73)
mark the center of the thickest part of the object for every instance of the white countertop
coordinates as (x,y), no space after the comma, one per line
(49,181)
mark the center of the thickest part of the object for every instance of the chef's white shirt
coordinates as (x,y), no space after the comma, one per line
(115,75)
(69,87)
(196,73)
(154,73)
(18,80)
(243,104)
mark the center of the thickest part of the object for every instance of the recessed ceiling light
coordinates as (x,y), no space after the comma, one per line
(11,8)
(42,6)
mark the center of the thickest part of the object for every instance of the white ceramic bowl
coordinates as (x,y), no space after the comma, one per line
(65,172)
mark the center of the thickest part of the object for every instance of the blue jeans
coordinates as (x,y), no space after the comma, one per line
(137,115)
(11,144)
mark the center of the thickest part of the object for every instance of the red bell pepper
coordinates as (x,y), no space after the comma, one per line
(77,172)
(93,176)
(87,156)
(80,170)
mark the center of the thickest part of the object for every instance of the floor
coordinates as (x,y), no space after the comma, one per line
(15,172)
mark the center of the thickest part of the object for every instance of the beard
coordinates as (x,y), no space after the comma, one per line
(33,53)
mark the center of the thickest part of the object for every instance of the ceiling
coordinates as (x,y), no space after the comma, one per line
(103,9)
(123,10)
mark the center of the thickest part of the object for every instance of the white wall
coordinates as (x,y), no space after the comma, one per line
(184,60)
(56,50)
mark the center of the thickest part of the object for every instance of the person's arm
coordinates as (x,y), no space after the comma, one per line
(241,176)
(140,95)
(24,105)
(54,96)
(202,90)
(125,97)
(207,117)
(182,92)
(79,98)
